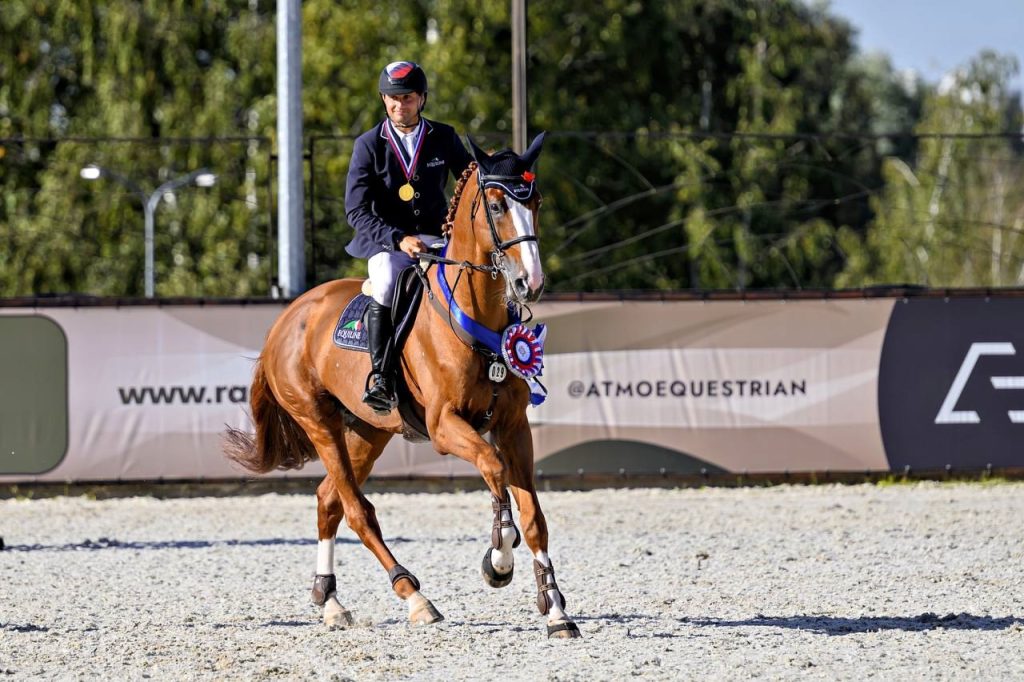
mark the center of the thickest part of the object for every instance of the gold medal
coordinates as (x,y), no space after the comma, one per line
(406,192)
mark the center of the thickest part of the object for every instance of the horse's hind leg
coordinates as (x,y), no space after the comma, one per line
(550,602)
(348,458)
(325,586)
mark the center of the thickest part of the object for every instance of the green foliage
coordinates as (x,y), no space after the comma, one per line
(696,143)
(153,70)
(954,215)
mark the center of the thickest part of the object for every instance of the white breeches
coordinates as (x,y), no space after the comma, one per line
(385,266)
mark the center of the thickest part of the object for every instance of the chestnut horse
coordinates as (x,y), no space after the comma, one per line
(306,391)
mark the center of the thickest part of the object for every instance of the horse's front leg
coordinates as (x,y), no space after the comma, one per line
(499,560)
(453,435)
(516,444)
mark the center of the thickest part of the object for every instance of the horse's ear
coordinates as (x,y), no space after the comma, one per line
(479,155)
(529,157)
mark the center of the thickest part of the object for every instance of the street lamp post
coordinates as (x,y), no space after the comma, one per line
(202,177)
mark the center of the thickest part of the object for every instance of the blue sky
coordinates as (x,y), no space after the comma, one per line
(934,36)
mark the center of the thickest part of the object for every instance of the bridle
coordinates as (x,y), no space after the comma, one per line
(499,246)
(497,254)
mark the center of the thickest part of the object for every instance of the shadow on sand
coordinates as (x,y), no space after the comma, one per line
(111,543)
(832,625)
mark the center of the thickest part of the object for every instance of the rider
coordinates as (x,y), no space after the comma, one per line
(395,201)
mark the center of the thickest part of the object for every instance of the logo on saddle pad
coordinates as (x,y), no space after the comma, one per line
(350,331)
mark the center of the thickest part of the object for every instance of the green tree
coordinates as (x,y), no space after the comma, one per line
(693,142)
(151,70)
(954,215)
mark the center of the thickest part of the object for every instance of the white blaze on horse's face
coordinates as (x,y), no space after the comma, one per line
(522,218)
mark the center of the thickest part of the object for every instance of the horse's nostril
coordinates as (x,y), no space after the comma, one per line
(521,287)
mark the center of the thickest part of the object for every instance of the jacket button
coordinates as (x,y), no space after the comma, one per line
(415,177)
(416,196)
(416,212)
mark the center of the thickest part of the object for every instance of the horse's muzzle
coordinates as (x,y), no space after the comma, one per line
(524,293)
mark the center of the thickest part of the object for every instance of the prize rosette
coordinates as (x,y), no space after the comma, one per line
(523,350)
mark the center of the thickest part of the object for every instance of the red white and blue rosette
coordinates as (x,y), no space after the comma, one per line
(523,350)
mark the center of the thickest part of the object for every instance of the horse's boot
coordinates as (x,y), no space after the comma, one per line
(380,384)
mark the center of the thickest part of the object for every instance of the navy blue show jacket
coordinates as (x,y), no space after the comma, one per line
(372,205)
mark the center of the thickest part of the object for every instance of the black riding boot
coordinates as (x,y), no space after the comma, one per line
(380,384)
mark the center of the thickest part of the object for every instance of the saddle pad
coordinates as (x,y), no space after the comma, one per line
(351,332)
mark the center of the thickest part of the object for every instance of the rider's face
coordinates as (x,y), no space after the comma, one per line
(404,110)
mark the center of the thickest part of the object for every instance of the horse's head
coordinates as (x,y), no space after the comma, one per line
(508,219)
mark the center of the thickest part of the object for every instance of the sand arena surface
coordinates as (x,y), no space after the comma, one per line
(848,582)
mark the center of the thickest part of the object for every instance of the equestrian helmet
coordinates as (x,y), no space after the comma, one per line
(399,78)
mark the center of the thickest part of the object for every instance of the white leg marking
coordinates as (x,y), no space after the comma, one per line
(555,613)
(325,557)
(522,218)
(335,615)
(416,601)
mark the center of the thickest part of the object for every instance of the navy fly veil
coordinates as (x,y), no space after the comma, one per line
(507,171)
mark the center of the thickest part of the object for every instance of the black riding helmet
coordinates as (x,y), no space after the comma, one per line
(399,78)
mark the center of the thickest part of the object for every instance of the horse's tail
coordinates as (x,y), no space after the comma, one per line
(279,441)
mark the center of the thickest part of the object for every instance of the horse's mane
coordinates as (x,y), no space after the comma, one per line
(449,220)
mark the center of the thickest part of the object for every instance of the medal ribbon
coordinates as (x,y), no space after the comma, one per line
(409,168)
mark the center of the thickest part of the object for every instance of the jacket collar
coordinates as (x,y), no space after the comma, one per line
(427,127)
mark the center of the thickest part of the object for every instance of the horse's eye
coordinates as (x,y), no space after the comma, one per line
(495,207)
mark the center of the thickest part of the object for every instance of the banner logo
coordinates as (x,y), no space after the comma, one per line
(948,414)
(951,384)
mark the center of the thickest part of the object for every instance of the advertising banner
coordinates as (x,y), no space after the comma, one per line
(764,386)
(107,393)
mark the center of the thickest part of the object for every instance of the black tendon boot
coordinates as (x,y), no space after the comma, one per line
(380,384)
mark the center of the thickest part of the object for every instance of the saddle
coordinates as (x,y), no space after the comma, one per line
(350,333)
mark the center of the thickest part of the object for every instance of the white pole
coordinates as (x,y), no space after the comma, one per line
(519,76)
(291,252)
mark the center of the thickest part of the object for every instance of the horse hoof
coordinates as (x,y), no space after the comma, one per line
(422,612)
(565,629)
(492,577)
(338,621)
(426,615)
(336,616)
